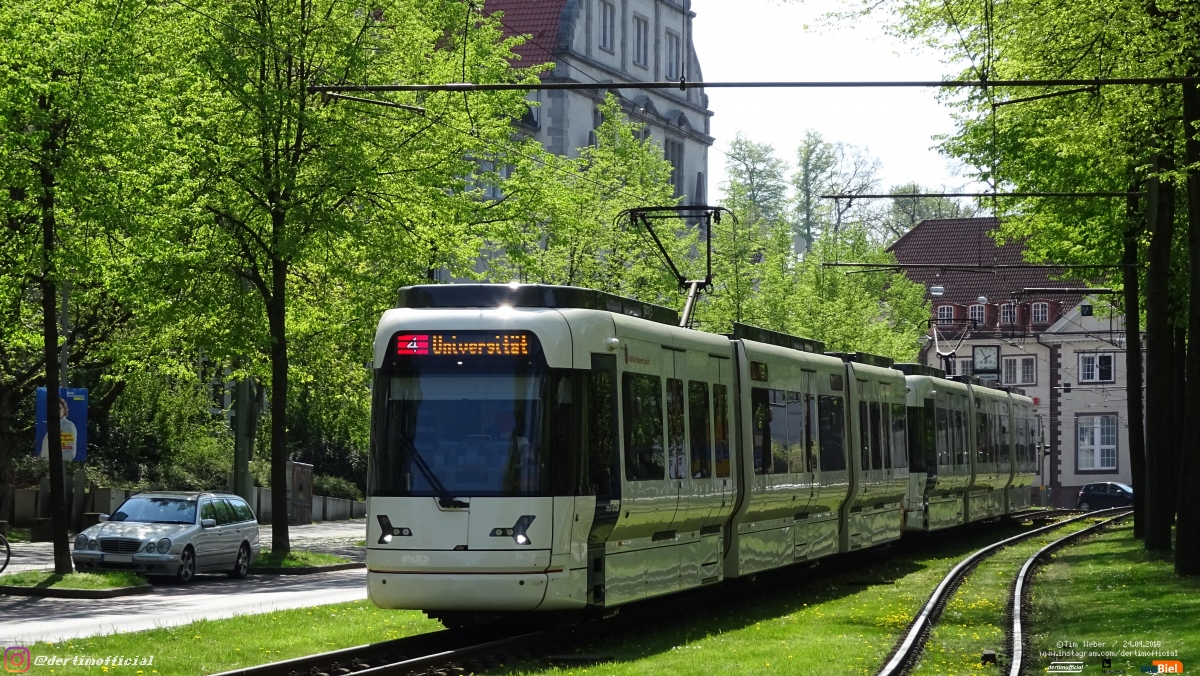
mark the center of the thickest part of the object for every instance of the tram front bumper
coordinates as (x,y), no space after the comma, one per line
(457,591)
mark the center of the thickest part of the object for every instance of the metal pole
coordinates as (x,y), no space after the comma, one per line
(686,317)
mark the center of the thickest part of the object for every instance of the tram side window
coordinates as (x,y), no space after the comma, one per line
(721,428)
(877,449)
(779,433)
(1022,452)
(643,427)
(810,419)
(1004,440)
(760,428)
(943,437)
(677,461)
(960,436)
(831,418)
(701,467)
(864,435)
(981,437)
(602,426)
(797,463)
(899,437)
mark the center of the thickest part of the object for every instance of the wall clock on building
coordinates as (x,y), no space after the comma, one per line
(986,358)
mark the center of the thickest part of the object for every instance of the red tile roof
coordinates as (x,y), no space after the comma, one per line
(538,20)
(970,241)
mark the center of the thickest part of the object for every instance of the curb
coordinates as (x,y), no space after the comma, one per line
(306,570)
(42,592)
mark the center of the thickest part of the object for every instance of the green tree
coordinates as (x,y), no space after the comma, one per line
(559,221)
(69,115)
(1108,139)
(291,191)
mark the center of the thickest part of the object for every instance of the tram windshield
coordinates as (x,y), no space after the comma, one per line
(453,434)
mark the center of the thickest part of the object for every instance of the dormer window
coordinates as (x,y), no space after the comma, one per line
(1008,314)
(945,314)
(976,314)
(1041,313)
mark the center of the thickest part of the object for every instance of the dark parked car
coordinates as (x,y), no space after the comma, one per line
(1105,494)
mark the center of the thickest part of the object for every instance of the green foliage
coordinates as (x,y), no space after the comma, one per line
(559,222)
(335,487)
(761,280)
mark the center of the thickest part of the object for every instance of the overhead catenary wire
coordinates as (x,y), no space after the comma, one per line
(684,85)
(1024,194)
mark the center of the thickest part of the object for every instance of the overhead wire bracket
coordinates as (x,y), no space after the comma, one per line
(642,216)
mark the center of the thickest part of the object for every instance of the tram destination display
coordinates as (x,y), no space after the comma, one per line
(488,344)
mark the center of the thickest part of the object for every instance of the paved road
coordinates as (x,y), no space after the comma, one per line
(331,537)
(25,619)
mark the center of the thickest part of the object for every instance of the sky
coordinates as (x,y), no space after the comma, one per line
(768,40)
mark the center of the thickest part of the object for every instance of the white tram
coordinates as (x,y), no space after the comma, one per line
(554,448)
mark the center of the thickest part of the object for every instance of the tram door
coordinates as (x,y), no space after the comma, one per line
(691,456)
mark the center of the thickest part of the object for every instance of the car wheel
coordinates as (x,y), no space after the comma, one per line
(187,566)
(242,565)
(1085,506)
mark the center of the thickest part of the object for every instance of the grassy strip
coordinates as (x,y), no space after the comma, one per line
(47,580)
(296,558)
(975,619)
(844,623)
(210,646)
(17,534)
(1109,590)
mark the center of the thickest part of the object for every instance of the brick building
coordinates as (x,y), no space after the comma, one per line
(607,41)
(1010,326)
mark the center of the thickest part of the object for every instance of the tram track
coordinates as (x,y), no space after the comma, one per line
(482,647)
(908,649)
(1017,636)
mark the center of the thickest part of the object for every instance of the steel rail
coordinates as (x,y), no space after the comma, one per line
(911,645)
(396,655)
(1017,635)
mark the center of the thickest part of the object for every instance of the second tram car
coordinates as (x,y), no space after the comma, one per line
(554,448)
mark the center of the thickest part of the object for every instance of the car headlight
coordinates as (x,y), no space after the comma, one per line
(150,547)
(93,544)
(164,545)
(81,542)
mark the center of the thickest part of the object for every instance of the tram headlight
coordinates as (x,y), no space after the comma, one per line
(521,530)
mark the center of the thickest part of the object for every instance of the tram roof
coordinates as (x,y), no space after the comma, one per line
(530,296)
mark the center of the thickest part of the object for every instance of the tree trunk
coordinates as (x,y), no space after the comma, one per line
(58,492)
(1133,366)
(1187,534)
(1160,218)
(276,316)
(1171,483)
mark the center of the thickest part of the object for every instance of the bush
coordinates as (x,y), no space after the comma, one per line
(335,487)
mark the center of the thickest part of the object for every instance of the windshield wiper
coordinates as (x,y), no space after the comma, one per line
(446,500)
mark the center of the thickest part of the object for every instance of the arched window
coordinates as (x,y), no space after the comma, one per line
(945,314)
(1041,313)
(976,314)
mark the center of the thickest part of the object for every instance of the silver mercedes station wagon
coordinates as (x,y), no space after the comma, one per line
(177,534)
